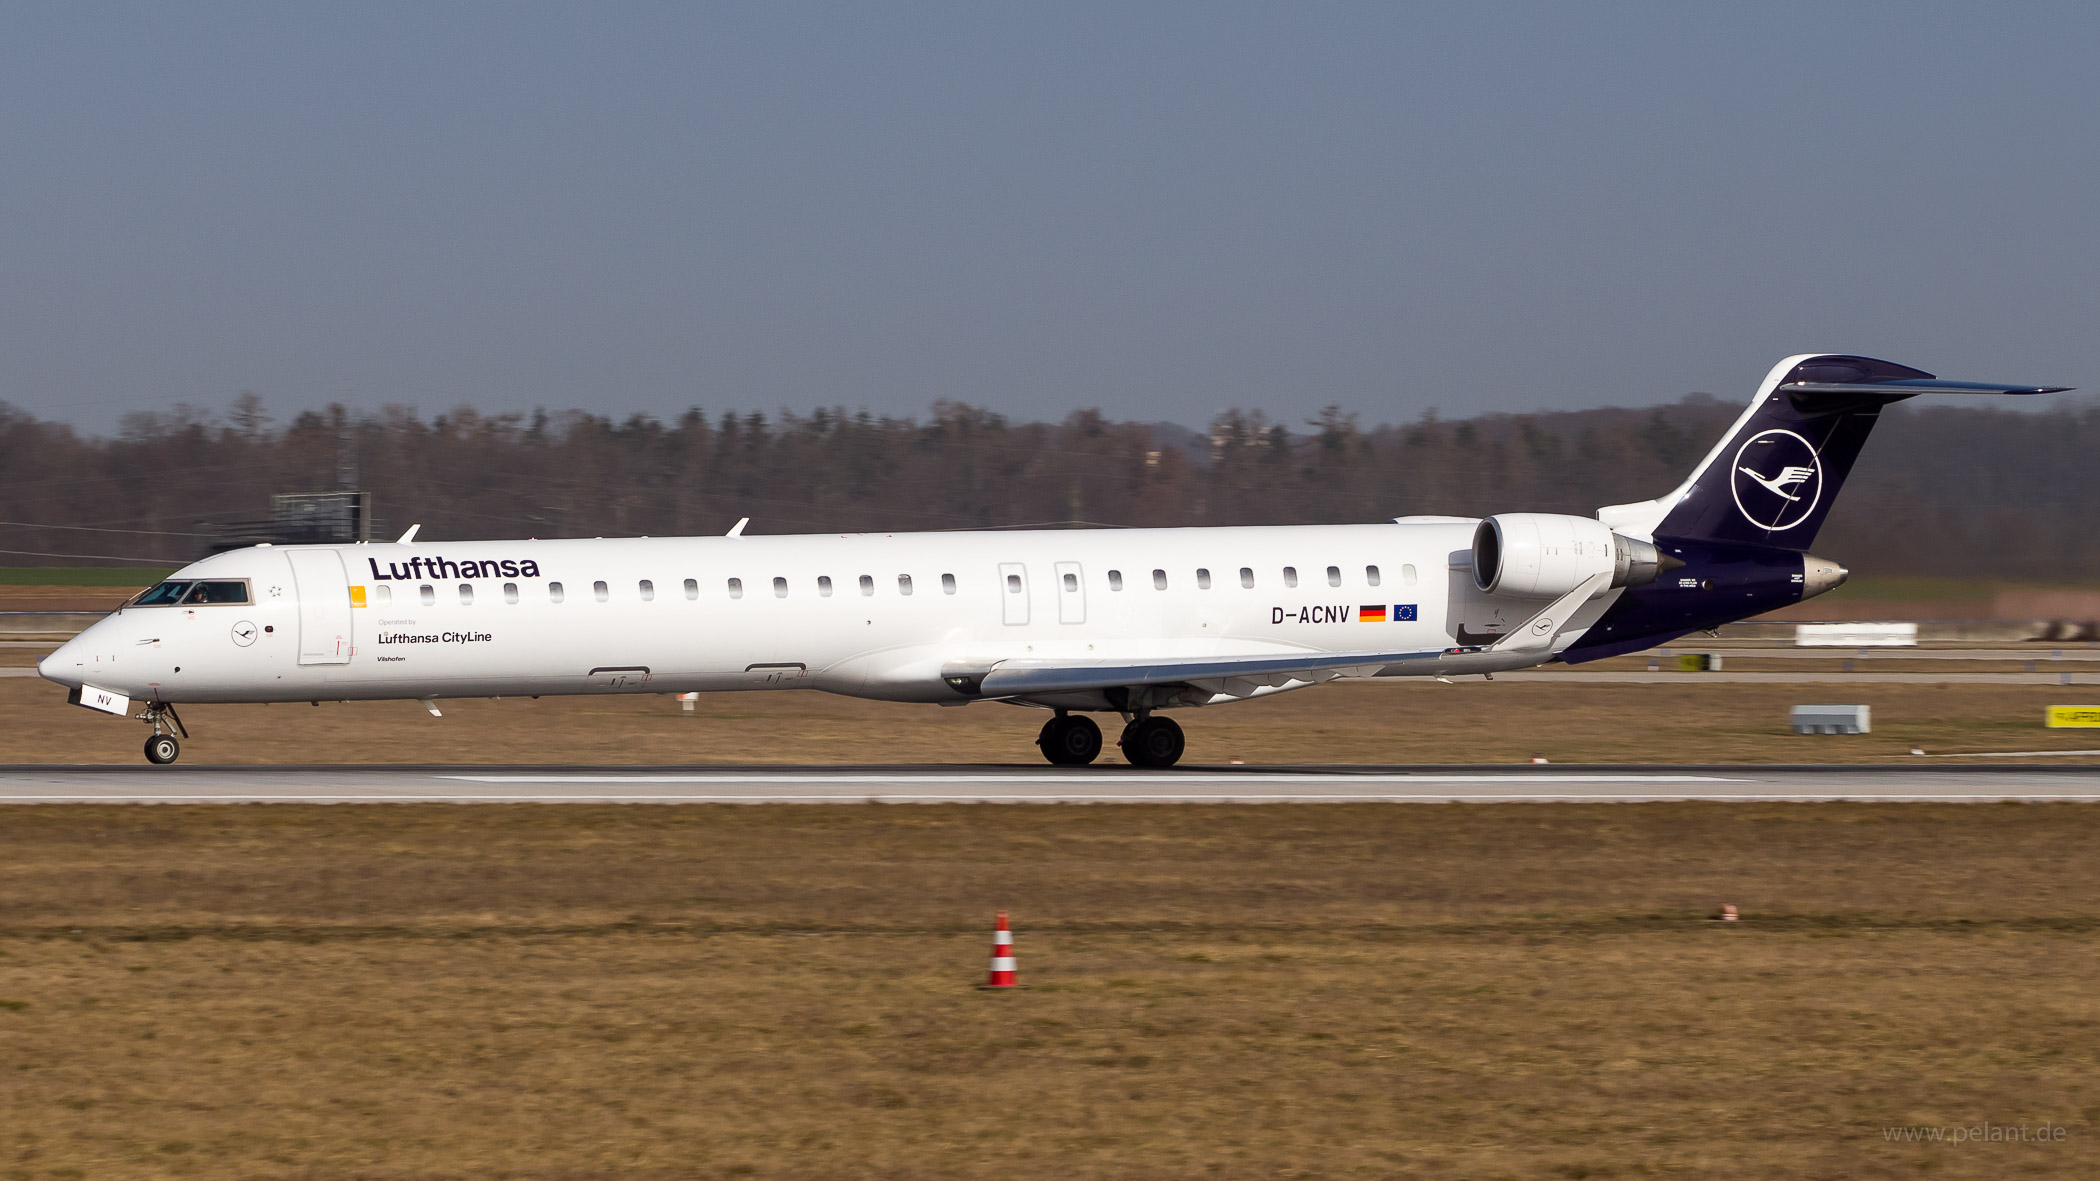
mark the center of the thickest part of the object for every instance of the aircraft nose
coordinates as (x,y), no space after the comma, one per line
(62,664)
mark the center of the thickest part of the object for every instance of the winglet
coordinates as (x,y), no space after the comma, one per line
(409,536)
(737,530)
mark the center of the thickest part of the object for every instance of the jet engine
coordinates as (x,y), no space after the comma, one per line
(1545,555)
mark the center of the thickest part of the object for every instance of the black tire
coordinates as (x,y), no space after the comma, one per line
(1071,741)
(1153,742)
(162,749)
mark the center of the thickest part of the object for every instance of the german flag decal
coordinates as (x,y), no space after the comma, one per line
(1372,614)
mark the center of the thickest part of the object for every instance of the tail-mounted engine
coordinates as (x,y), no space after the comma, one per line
(1545,555)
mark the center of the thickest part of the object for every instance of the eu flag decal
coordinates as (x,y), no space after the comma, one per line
(1371,614)
(1404,613)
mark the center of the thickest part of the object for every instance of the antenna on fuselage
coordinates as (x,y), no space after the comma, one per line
(409,536)
(737,530)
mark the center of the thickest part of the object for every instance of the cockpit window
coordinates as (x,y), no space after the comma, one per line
(192,594)
(162,595)
(216,592)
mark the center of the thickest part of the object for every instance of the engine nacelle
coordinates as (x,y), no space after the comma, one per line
(1545,555)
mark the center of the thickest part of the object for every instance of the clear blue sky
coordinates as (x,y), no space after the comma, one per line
(1160,210)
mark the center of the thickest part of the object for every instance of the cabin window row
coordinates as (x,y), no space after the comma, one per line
(646,590)
(1372,577)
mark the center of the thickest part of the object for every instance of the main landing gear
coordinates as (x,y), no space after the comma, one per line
(162,749)
(1152,741)
(1072,740)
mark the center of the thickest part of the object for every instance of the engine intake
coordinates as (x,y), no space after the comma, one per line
(1546,555)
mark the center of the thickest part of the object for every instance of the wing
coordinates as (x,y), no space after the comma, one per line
(1527,644)
(1794,475)
(1018,678)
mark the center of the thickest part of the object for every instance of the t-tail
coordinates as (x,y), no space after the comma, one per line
(1742,522)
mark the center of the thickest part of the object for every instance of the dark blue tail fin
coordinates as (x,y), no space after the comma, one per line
(1771,481)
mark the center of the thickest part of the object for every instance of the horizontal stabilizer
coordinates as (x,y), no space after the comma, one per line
(1914,386)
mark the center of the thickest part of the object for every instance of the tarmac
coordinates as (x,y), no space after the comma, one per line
(1035,784)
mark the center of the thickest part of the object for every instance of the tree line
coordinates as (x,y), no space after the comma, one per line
(1942,489)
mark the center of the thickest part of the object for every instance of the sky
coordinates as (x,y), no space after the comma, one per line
(1160,210)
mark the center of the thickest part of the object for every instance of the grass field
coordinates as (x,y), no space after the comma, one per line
(1284,991)
(1470,721)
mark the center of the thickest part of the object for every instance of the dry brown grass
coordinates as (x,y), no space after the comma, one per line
(1385,722)
(1500,991)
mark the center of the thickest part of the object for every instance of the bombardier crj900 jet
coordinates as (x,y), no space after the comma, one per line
(1127,622)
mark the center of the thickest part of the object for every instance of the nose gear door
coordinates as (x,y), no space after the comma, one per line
(324,605)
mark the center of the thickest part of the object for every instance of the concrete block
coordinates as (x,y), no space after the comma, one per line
(1856,635)
(1830,719)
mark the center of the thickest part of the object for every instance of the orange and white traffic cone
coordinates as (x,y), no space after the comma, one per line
(1001,974)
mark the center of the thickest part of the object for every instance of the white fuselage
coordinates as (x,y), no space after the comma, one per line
(664,615)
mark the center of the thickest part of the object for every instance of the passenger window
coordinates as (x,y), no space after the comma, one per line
(1290,576)
(601,591)
(466,594)
(1202,578)
(1071,584)
(554,592)
(736,588)
(1247,577)
(1013,584)
(648,590)
(429,596)
(867,584)
(382,595)
(1334,576)
(692,588)
(780,588)
(947,584)
(904,584)
(1159,580)
(1371,575)
(510,592)
(1407,575)
(1115,580)
(824,585)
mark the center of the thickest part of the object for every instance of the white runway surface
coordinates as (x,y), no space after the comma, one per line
(953,784)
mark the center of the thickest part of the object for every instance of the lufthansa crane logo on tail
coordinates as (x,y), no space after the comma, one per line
(1778,479)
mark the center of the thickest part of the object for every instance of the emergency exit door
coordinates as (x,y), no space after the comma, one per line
(1071,593)
(324,605)
(1013,592)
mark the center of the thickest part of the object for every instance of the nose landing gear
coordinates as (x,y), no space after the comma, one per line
(162,749)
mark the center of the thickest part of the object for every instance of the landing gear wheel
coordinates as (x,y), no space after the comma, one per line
(1152,742)
(162,749)
(1070,741)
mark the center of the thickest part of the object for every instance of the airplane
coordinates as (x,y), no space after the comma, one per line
(1125,622)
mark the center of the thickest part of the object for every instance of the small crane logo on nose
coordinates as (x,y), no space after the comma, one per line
(244,633)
